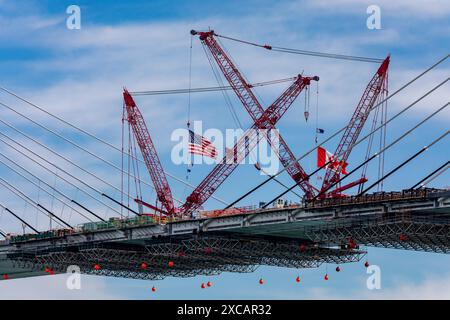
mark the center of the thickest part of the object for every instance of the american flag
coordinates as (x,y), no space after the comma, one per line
(200,145)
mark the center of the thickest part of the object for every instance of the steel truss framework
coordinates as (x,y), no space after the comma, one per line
(210,256)
(420,233)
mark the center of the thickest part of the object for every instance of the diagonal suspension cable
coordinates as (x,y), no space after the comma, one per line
(405,162)
(305,52)
(85,132)
(41,188)
(342,129)
(421,182)
(56,174)
(206,89)
(30,201)
(19,218)
(69,141)
(217,75)
(381,152)
(376,154)
(436,175)
(65,158)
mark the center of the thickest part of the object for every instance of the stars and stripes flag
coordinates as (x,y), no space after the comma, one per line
(201,146)
(324,156)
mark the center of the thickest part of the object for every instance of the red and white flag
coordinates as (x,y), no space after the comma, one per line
(324,156)
(201,146)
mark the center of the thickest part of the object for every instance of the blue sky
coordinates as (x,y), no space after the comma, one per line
(144,45)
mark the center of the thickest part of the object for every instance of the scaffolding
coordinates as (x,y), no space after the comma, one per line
(403,231)
(184,258)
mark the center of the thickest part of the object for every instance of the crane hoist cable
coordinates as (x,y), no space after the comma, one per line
(231,108)
(206,89)
(190,84)
(122,157)
(375,116)
(304,52)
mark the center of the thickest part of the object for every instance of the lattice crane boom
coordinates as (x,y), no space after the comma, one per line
(148,150)
(243,147)
(246,96)
(353,129)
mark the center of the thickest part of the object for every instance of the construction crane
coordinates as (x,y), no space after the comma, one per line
(245,94)
(352,131)
(151,159)
(245,144)
(262,120)
(222,170)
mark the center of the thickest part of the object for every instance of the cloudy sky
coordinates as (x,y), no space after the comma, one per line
(145,45)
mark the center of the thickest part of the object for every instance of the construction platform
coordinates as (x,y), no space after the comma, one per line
(303,236)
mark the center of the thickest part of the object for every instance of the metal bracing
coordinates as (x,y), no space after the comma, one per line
(409,232)
(185,258)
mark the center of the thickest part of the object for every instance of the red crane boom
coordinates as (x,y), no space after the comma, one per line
(355,126)
(246,96)
(148,150)
(243,147)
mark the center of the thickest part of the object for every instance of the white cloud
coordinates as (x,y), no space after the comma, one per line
(418,8)
(432,288)
(54,288)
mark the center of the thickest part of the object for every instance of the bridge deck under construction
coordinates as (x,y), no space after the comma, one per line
(297,237)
